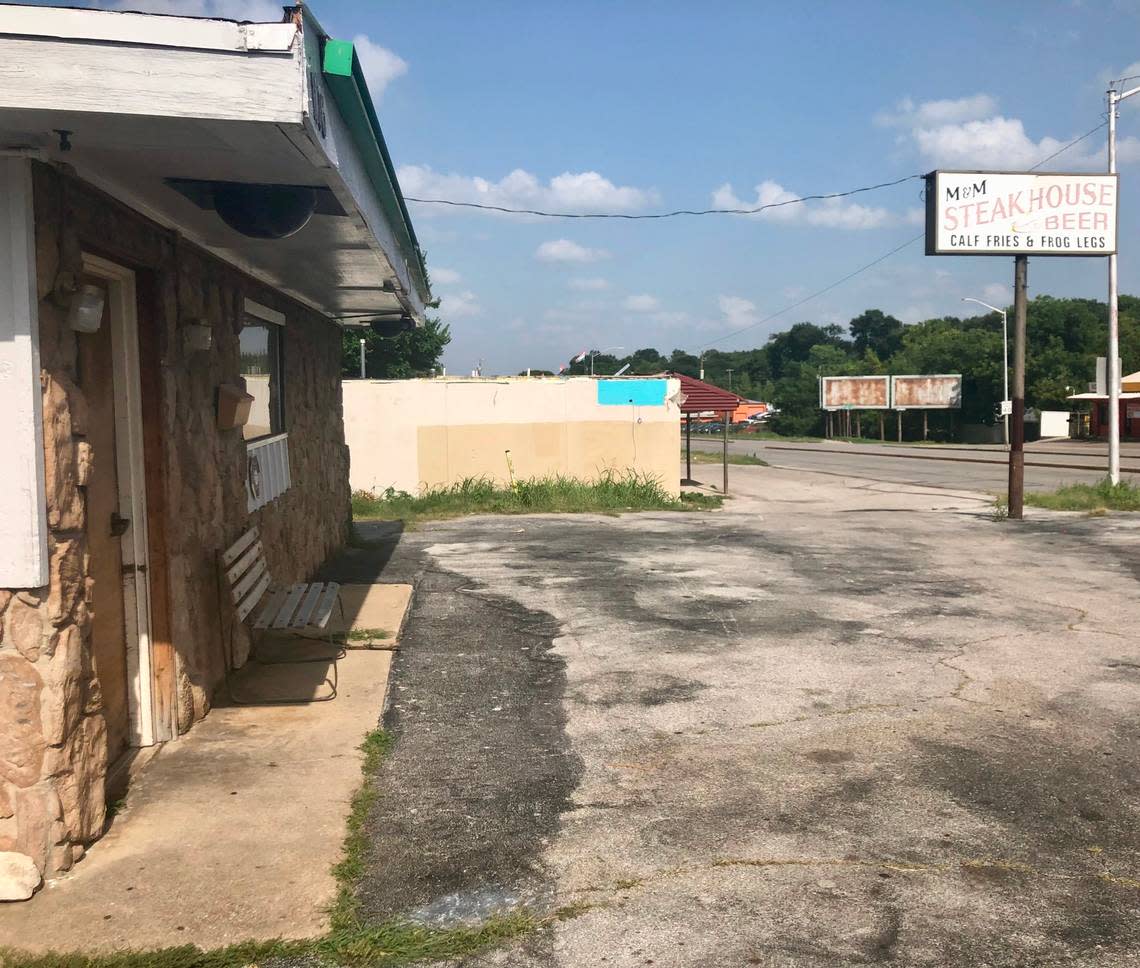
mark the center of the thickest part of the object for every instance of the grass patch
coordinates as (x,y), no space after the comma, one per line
(378,946)
(611,493)
(351,940)
(344,913)
(1096,498)
(702,502)
(366,635)
(713,457)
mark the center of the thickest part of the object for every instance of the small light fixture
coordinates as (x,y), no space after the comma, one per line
(85,311)
(197,336)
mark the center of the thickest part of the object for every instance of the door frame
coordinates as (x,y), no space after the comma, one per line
(123,318)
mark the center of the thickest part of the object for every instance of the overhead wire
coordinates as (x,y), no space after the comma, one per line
(799,200)
(631,216)
(882,258)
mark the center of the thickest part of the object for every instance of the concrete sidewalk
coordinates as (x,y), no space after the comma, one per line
(228,835)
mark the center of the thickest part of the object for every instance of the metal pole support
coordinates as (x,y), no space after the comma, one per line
(1017,418)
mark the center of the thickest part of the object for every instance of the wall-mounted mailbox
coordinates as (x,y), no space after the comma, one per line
(233,406)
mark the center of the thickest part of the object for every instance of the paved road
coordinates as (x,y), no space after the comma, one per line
(1049,464)
(837,723)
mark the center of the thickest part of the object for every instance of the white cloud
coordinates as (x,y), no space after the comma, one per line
(969,133)
(445,277)
(563,250)
(830,213)
(997,294)
(908,114)
(593,284)
(258,11)
(569,192)
(737,310)
(642,303)
(460,304)
(380,65)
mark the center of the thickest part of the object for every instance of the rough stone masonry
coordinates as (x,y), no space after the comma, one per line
(53,734)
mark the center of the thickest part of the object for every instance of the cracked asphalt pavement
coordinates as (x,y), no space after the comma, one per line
(838,723)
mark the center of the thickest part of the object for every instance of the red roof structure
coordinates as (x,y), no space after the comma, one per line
(700,396)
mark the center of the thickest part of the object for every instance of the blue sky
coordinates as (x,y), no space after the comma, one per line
(645,106)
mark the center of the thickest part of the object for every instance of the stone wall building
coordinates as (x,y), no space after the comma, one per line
(155,280)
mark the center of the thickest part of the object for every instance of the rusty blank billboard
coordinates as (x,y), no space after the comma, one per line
(855,392)
(941,391)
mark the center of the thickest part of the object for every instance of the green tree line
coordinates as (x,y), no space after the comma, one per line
(1064,338)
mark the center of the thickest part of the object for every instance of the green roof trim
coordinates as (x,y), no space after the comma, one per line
(346,83)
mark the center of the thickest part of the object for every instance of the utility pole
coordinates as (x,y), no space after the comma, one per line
(1114,98)
(362,359)
(1017,438)
(730,379)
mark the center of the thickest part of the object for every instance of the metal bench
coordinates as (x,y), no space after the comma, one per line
(302,611)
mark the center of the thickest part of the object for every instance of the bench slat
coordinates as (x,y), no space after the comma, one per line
(308,603)
(289,607)
(325,609)
(243,564)
(251,600)
(272,606)
(251,578)
(230,555)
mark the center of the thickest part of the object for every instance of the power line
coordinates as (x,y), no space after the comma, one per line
(884,257)
(660,215)
(1075,141)
(818,292)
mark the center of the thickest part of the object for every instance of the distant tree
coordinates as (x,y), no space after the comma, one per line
(682,362)
(533,372)
(876,331)
(795,345)
(646,361)
(415,352)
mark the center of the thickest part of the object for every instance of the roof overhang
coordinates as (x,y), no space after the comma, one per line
(1102,396)
(155,102)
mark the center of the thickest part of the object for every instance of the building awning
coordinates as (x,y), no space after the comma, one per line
(184,117)
(699,396)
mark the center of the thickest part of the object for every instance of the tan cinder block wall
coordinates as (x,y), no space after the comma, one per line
(412,434)
(53,757)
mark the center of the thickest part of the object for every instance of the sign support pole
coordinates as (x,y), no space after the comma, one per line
(1017,418)
(1113,320)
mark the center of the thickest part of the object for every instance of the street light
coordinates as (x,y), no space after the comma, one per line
(594,353)
(1114,98)
(1006,405)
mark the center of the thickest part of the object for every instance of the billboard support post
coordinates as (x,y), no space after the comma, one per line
(1017,437)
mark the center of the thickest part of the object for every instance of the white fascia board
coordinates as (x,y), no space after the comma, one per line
(102,77)
(152,30)
(327,143)
(24,561)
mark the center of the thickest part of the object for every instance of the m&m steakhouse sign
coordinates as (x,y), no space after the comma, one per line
(1020,213)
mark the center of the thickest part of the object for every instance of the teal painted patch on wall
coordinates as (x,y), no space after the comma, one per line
(638,393)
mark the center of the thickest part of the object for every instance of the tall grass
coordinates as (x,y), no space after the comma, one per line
(611,492)
(1101,496)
